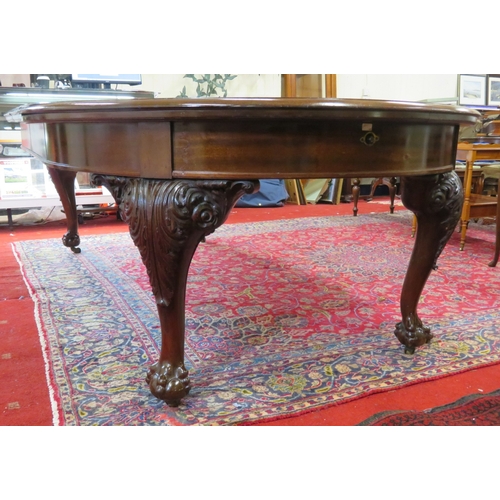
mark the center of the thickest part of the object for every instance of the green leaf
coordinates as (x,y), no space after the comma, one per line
(199,91)
(183,93)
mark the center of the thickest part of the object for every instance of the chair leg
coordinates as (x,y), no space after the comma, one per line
(392,191)
(355,195)
(493,263)
(375,184)
(390,183)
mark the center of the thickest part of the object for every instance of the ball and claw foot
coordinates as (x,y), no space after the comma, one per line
(168,383)
(72,241)
(412,336)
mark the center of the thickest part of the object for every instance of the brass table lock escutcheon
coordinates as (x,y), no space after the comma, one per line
(369,138)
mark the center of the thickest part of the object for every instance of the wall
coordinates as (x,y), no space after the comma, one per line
(241,86)
(10,80)
(397,87)
(394,87)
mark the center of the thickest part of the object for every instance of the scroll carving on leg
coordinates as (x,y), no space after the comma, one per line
(437,201)
(167,220)
(64,182)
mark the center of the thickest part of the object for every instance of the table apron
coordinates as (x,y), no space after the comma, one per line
(245,149)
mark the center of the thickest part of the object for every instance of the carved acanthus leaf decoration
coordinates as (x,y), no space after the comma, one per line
(168,218)
(443,201)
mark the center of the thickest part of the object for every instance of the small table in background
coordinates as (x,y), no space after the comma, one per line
(476,205)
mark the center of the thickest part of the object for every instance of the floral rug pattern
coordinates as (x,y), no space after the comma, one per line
(282,317)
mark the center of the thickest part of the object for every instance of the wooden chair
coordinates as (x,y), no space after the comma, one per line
(386,181)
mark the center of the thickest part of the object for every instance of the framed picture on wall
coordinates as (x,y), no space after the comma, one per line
(493,90)
(472,90)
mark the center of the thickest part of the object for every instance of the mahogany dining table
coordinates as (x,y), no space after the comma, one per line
(176,167)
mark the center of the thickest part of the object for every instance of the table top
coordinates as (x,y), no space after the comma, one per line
(226,138)
(299,108)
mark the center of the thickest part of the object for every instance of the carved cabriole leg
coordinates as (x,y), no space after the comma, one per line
(64,182)
(168,219)
(436,200)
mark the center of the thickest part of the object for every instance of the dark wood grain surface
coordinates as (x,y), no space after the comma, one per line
(246,138)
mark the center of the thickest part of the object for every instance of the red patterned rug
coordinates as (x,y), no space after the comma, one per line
(283,317)
(476,409)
